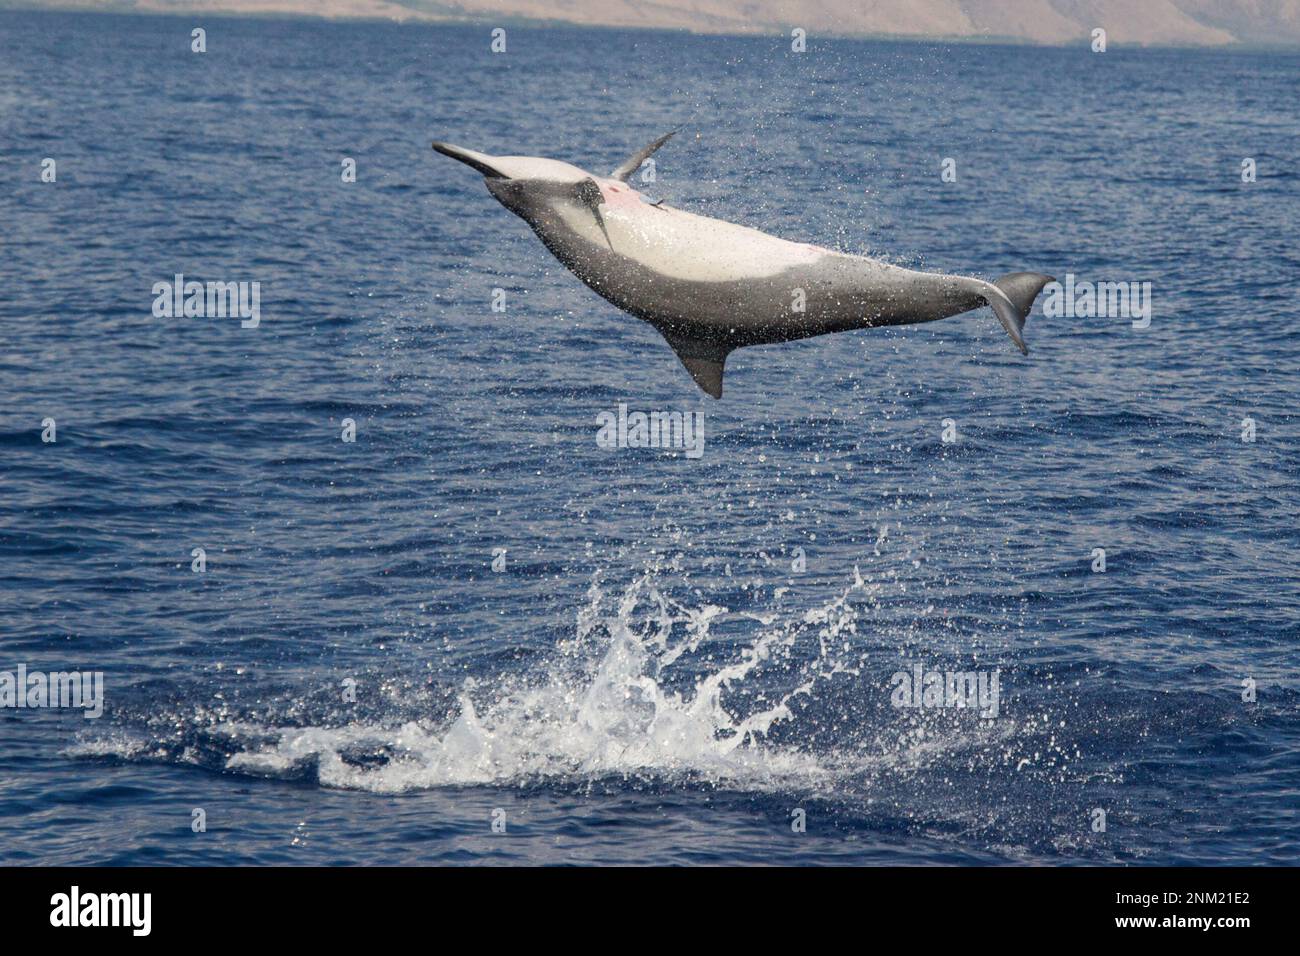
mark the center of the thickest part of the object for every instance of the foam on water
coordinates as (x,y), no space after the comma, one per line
(603,707)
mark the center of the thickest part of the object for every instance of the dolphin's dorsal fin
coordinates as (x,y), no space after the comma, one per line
(704,360)
(633,162)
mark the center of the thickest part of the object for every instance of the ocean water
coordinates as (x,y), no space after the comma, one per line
(679,655)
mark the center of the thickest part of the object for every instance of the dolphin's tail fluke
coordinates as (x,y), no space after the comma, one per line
(1018,291)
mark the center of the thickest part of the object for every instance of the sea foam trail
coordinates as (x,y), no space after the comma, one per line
(604,707)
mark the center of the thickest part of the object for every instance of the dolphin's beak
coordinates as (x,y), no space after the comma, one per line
(480,161)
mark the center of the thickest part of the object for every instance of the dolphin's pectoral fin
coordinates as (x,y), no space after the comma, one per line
(704,360)
(633,162)
(589,193)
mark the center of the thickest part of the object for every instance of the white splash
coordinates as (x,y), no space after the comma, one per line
(602,709)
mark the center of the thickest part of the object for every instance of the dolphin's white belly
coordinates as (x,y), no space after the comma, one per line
(687,247)
(700,249)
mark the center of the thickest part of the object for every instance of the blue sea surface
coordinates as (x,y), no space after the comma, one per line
(673,657)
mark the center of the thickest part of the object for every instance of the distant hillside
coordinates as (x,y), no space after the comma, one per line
(1165,22)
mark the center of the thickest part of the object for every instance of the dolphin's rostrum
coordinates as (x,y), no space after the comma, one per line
(711,286)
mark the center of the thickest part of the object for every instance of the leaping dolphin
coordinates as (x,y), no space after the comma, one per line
(711,286)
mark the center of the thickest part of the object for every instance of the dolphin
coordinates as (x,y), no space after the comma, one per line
(711,286)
